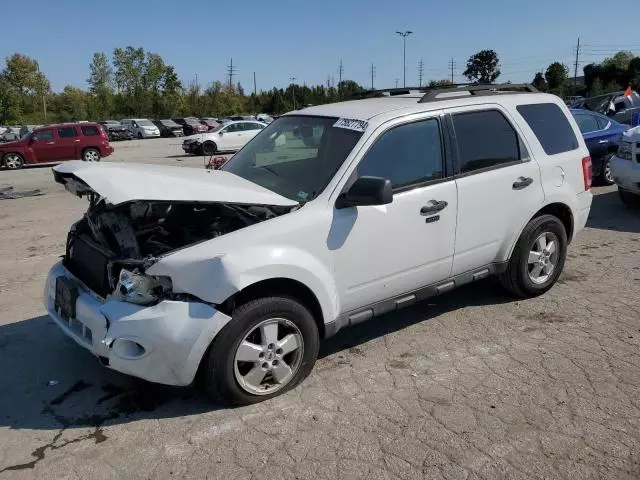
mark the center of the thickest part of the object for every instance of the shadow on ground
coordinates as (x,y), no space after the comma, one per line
(49,382)
(609,213)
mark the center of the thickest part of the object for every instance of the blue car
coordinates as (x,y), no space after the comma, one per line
(602,135)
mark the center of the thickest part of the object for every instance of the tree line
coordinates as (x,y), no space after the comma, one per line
(135,83)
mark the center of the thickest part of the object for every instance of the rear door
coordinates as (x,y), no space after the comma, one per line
(596,138)
(67,143)
(42,144)
(498,184)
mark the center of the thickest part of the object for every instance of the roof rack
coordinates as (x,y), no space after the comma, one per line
(439,94)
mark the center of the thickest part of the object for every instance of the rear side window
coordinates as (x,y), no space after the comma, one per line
(550,125)
(586,123)
(602,122)
(67,132)
(485,139)
(90,131)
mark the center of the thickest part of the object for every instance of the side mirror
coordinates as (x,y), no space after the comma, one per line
(220,133)
(366,191)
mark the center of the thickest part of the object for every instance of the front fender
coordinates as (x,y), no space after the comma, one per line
(216,278)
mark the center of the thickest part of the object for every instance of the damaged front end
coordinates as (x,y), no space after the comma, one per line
(111,247)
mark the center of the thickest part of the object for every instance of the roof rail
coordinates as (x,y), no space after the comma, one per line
(439,94)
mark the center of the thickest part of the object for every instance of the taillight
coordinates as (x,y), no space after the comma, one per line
(587,172)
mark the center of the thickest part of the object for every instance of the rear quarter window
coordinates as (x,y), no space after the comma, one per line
(90,131)
(551,126)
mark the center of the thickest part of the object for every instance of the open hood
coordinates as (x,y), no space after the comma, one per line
(120,183)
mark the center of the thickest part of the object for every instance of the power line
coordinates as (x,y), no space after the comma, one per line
(420,72)
(452,65)
(231,71)
(372,71)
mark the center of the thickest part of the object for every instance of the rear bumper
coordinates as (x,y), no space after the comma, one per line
(108,151)
(582,214)
(162,343)
(626,173)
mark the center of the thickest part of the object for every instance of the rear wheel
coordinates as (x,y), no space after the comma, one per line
(537,259)
(209,148)
(605,177)
(269,346)
(13,161)
(91,155)
(139,136)
(630,200)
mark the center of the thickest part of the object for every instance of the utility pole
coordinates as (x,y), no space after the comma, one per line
(397,80)
(293,91)
(231,71)
(44,106)
(452,65)
(575,70)
(255,87)
(420,72)
(340,72)
(373,74)
(404,36)
(328,82)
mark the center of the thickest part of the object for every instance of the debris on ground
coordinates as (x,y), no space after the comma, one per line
(8,193)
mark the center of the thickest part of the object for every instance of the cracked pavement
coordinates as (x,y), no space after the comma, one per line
(469,385)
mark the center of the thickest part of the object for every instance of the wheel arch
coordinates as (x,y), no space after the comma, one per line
(89,147)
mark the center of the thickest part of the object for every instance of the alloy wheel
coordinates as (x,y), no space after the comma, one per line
(269,356)
(543,257)
(13,161)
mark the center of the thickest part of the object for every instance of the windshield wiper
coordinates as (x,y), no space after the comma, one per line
(270,170)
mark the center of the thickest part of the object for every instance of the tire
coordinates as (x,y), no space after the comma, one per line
(209,148)
(139,136)
(605,177)
(630,200)
(91,155)
(13,161)
(522,278)
(228,377)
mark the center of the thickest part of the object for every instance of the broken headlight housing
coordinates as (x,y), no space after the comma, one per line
(140,289)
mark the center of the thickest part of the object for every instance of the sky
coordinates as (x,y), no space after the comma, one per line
(280,39)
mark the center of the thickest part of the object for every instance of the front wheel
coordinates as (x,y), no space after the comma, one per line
(269,346)
(537,259)
(209,148)
(91,155)
(13,161)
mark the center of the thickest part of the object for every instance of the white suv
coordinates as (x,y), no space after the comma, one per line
(331,216)
(625,168)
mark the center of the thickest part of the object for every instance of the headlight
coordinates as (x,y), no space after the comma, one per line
(140,289)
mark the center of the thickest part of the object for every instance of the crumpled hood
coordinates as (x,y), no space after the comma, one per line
(119,183)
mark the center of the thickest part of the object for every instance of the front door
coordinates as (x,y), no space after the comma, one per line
(233,136)
(385,251)
(42,145)
(498,185)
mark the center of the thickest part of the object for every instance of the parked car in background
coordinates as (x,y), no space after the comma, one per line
(168,128)
(229,136)
(625,168)
(141,128)
(56,143)
(263,117)
(619,106)
(116,131)
(25,129)
(210,123)
(10,134)
(602,136)
(190,125)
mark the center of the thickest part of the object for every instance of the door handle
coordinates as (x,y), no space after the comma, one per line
(49,143)
(434,206)
(603,141)
(522,182)
(77,141)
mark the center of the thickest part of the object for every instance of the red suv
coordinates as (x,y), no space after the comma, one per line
(55,143)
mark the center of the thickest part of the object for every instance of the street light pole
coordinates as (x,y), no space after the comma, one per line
(404,36)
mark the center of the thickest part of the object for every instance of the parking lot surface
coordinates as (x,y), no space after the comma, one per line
(471,384)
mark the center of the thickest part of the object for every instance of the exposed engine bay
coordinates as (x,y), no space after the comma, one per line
(110,247)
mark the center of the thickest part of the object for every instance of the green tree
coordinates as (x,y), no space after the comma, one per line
(620,61)
(539,82)
(556,75)
(482,67)
(100,86)
(25,88)
(71,104)
(440,83)
(129,64)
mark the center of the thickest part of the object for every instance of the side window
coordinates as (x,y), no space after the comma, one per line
(586,123)
(485,139)
(234,127)
(90,131)
(551,126)
(67,132)
(602,122)
(44,136)
(407,155)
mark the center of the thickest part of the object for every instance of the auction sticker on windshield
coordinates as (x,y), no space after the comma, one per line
(352,124)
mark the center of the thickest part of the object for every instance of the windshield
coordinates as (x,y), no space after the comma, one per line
(111,122)
(192,121)
(169,123)
(145,123)
(295,156)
